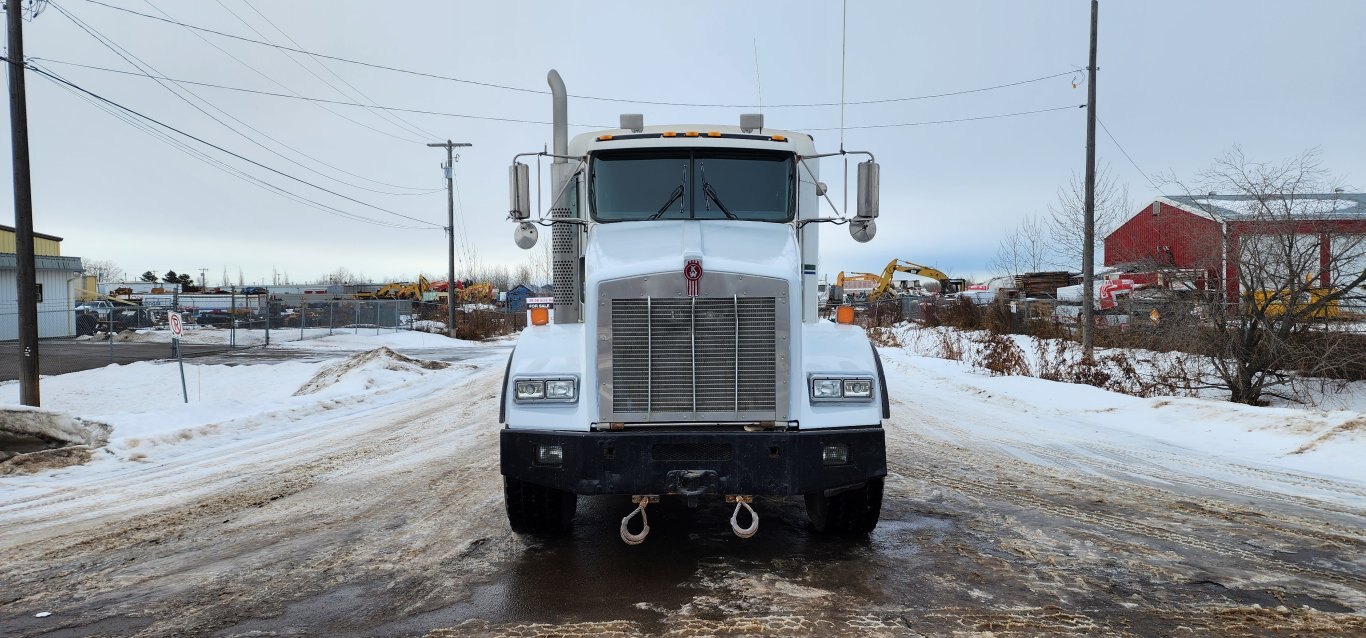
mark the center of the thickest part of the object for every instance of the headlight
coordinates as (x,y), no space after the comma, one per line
(562,389)
(841,388)
(530,390)
(825,388)
(858,388)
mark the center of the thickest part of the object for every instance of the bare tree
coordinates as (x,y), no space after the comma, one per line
(1066,218)
(1271,327)
(104,270)
(1026,248)
(340,276)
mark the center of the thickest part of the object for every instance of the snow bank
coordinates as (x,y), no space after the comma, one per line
(345,341)
(48,425)
(1326,442)
(377,367)
(34,439)
(148,419)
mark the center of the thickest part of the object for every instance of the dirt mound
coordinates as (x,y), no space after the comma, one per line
(33,439)
(367,363)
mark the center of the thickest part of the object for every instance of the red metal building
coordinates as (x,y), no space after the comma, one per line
(1200,233)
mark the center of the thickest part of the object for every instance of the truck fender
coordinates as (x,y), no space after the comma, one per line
(882,381)
(503,397)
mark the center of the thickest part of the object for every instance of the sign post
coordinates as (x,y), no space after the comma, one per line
(178,329)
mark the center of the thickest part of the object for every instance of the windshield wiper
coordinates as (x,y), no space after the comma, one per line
(710,192)
(675,196)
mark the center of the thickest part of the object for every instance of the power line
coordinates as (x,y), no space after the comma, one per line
(140,63)
(213,162)
(391,119)
(305,98)
(272,80)
(1126,154)
(518,89)
(490,118)
(953,121)
(148,118)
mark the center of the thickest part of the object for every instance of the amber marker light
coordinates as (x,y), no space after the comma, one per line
(541,316)
(845,315)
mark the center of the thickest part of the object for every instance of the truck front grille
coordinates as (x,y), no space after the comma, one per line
(694,355)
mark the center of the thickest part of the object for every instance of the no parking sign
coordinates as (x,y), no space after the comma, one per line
(177,327)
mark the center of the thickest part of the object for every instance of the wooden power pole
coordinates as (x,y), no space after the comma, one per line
(450,230)
(1088,255)
(23,210)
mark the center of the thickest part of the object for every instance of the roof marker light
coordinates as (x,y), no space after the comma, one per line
(713,134)
(778,138)
(669,134)
(604,138)
(691,133)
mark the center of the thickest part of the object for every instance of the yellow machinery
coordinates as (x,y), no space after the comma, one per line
(411,291)
(475,293)
(883,289)
(1275,302)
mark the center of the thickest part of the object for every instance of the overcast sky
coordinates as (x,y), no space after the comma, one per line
(1180,82)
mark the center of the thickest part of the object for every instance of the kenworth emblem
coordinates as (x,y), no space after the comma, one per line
(692,271)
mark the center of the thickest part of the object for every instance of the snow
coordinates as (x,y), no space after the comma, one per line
(19,420)
(1026,409)
(143,403)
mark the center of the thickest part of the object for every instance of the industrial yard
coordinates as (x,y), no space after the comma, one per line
(1015,507)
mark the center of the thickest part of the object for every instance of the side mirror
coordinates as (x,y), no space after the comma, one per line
(525,235)
(868,185)
(862,230)
(519,191)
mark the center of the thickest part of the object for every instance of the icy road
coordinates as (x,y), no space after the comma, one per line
(370,505)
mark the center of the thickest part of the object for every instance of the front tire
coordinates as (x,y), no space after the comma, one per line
(535,509)
(854,511)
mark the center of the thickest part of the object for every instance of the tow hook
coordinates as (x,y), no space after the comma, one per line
(641,501)
(742,501)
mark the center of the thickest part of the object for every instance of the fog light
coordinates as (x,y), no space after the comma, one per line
(825,388)
(562,389)
(530,389)
(549,455)
(835,455)
(858,388)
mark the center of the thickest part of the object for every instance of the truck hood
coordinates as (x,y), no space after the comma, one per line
(628,249)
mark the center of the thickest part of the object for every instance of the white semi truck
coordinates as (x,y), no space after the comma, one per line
(686,357)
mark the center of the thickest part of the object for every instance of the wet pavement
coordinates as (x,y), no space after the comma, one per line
(981,535)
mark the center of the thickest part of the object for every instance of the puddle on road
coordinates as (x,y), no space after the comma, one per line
(691,565)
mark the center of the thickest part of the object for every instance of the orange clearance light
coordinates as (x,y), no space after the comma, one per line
(604,138)
(845,315)
(778,138)
(713,133)
(541,316)
(691,133)
(670,134)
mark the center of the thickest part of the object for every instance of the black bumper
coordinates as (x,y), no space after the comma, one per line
(654,462)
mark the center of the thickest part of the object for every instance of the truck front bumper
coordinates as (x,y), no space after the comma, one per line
(698,462)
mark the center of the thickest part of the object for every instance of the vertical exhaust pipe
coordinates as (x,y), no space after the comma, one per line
(560,115)
(565,271)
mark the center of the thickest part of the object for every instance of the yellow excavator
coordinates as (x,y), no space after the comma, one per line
(883,289)
(411,291)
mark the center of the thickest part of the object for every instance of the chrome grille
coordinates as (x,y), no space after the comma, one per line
(694,355)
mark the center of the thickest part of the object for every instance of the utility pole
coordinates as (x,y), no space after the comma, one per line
(23,210)
(450,230)
(203,279)
(1088,255)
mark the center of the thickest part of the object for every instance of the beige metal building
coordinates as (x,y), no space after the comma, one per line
(58,277)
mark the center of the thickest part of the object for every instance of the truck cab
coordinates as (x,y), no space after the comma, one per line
(686,357)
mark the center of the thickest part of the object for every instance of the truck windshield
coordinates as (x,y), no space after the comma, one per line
(638,185)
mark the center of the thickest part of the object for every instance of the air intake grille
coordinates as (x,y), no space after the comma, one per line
(694,355)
